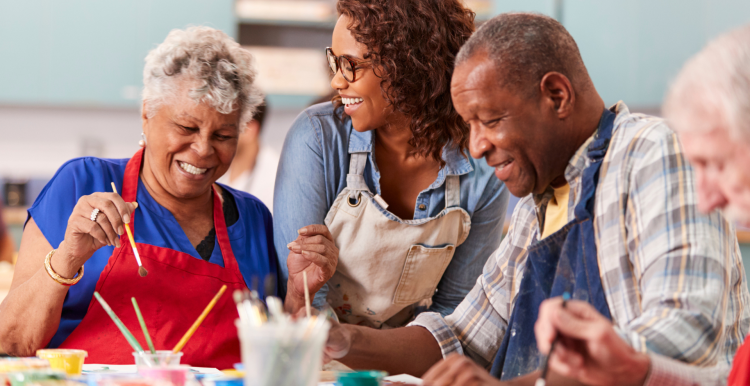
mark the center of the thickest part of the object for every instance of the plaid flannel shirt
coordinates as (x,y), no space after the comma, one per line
(672,276)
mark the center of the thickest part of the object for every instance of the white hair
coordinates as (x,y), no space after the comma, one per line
(222,70)
(713,88)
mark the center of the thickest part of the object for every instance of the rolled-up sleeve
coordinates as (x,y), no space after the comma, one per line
(477,326)
(471,256)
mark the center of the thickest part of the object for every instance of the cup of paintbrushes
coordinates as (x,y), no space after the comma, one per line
(288,352)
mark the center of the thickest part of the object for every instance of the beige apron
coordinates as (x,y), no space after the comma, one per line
(388,265)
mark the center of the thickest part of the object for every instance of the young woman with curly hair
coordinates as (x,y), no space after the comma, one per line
(375,195)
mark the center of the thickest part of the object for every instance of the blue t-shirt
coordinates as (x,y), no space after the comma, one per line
(251,236)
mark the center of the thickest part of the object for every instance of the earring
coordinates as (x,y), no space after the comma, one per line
(142,142)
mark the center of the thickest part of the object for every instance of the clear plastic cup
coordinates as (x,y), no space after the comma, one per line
(162,358)
(288,353)
(70,361)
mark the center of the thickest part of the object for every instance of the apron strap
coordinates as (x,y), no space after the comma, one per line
(129,186)
(452,191)
(222,236)
(355,179)
(596,151)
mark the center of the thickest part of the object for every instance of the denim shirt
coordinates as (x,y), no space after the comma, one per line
(312,172)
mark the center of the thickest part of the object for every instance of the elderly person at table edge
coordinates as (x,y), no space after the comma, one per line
(193,236)
(668,277)
(709,108)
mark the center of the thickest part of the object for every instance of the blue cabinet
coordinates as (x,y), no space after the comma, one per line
(90,52)
(633,49)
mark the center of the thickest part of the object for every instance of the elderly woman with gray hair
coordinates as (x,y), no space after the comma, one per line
(193,236)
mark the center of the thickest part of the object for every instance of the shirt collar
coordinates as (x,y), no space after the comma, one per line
(360,142)
(455,162)
(579,161)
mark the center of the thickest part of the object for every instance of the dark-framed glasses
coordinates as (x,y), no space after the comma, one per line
(345,64)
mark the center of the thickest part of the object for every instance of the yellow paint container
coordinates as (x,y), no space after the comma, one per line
(70,361)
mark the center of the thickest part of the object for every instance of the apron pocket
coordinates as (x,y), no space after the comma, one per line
(423,269)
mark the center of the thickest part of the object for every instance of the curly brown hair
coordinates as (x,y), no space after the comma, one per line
(412,45)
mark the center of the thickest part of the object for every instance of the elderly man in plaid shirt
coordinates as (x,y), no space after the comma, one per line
(709,106)
(609,215)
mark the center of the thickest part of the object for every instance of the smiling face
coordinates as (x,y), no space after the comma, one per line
(721,168)
(516,134)
(189,145)
(363,99)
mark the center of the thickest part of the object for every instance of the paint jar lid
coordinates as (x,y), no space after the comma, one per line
(50,353)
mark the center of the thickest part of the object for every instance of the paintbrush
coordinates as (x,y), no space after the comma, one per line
(124,330)
(238,297)
(259,309)
(542,381)
(269,285)
(307,294)
(141,271)
(143,326)
(274,304)
(198,321)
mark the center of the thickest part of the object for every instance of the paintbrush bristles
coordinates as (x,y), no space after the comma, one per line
(141,271)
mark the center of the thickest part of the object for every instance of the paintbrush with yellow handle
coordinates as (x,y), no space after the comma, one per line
(141,271)
(198,321)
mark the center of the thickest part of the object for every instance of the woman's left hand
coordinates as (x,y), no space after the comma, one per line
(314,252)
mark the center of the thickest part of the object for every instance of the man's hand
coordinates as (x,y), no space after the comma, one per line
(314,252)
(588,350)
(339,341)
(458,370)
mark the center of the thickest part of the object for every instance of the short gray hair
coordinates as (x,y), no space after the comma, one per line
(222,69)
(525,47)
(713,88)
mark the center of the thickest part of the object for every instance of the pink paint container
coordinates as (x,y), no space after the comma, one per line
(175,375)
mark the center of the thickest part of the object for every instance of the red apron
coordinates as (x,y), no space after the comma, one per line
(177,289)
(740,374)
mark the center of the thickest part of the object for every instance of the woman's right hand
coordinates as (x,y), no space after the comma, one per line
(314,252)
(83,237)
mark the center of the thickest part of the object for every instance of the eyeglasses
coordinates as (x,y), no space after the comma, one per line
(347,65)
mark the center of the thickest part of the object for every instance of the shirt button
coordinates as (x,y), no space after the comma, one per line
(422,207)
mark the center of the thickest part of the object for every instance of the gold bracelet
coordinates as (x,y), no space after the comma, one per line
(51,272)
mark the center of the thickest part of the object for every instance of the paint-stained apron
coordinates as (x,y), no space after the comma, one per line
(386,265)
(565,261)
(177,289)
